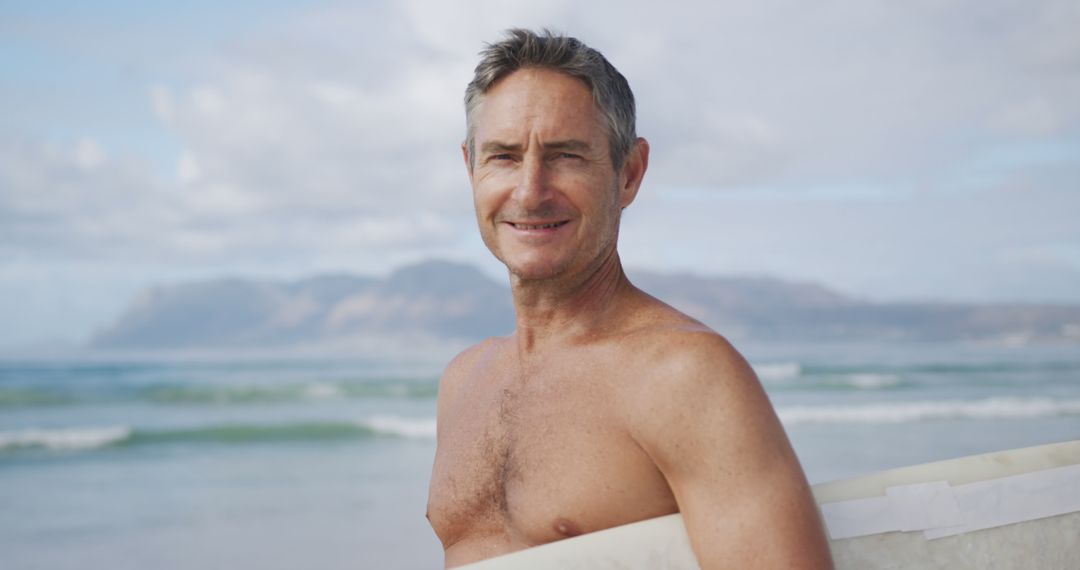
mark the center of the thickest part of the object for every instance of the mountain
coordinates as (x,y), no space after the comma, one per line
(774,310)
(434,300)
(448,302)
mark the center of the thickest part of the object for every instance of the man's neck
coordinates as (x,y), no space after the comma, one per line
(575,307)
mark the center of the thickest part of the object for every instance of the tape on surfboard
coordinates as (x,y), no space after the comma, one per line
(941,510)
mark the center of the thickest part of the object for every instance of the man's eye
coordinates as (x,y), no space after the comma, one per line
(567,155)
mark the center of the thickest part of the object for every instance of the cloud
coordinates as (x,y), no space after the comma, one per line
(62,202)
(347,101)
(75,204)
(1012,242)
(299,136)
(88,154)
(1034,117)
(856,89)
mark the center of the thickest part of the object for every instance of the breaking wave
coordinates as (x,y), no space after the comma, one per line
(793,375)
(413,428)
(206,394)
(85,438)
(289,393)
(64,438)
(778,371)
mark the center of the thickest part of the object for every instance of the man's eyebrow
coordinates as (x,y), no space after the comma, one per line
(570,144)
(496,146)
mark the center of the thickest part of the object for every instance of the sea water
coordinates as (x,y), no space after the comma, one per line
(170,462)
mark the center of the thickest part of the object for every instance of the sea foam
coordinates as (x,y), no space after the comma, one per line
(322,391)
(778,371)
(64,438)
(414,428)
(870,380)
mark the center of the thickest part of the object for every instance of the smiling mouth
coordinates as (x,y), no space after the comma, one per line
(550,226)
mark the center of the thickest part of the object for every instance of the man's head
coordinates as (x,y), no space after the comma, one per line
(548,155)
(523,49)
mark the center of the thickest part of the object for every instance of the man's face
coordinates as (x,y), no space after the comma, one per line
(546,194)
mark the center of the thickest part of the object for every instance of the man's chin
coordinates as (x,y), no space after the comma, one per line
(535,271)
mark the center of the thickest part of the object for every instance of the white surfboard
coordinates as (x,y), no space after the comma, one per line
(1012,509)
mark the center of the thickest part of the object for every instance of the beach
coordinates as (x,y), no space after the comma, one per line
(170,462)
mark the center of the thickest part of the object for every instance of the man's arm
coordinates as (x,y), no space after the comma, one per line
(709,427)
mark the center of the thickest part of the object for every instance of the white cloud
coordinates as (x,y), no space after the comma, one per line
(1014,242)
(1034,117)
(334,94)
(72,202)
(161,102)
(207,101)
(88,153)
(187,168)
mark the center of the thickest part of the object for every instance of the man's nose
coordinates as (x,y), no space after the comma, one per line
(532,189)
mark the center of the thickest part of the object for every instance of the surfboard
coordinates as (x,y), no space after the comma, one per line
(1010,509)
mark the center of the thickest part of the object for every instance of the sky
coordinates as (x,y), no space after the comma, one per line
(923,150)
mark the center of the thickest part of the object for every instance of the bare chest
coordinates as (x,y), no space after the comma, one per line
(520,465)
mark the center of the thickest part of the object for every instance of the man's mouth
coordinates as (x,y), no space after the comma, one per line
(547,226)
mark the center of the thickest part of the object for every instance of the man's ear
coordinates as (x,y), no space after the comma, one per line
(465,155)
(633,171)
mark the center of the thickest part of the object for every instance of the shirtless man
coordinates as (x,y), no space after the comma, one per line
(605,406)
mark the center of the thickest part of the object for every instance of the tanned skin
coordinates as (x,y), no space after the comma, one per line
(605,406)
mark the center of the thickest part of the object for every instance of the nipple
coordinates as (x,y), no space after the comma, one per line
(566,527)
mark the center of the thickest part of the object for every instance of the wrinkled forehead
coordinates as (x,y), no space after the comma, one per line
(537,103)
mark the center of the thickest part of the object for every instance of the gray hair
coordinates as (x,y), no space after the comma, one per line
(525,48)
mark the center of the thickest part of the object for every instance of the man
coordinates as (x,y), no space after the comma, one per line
(604,406)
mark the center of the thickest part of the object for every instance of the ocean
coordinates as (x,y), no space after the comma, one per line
(169,462)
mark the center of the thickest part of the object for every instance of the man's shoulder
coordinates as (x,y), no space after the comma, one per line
(470,358)
(466,361)
(676,358)
(688,383)
(672,342)
(690,354)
